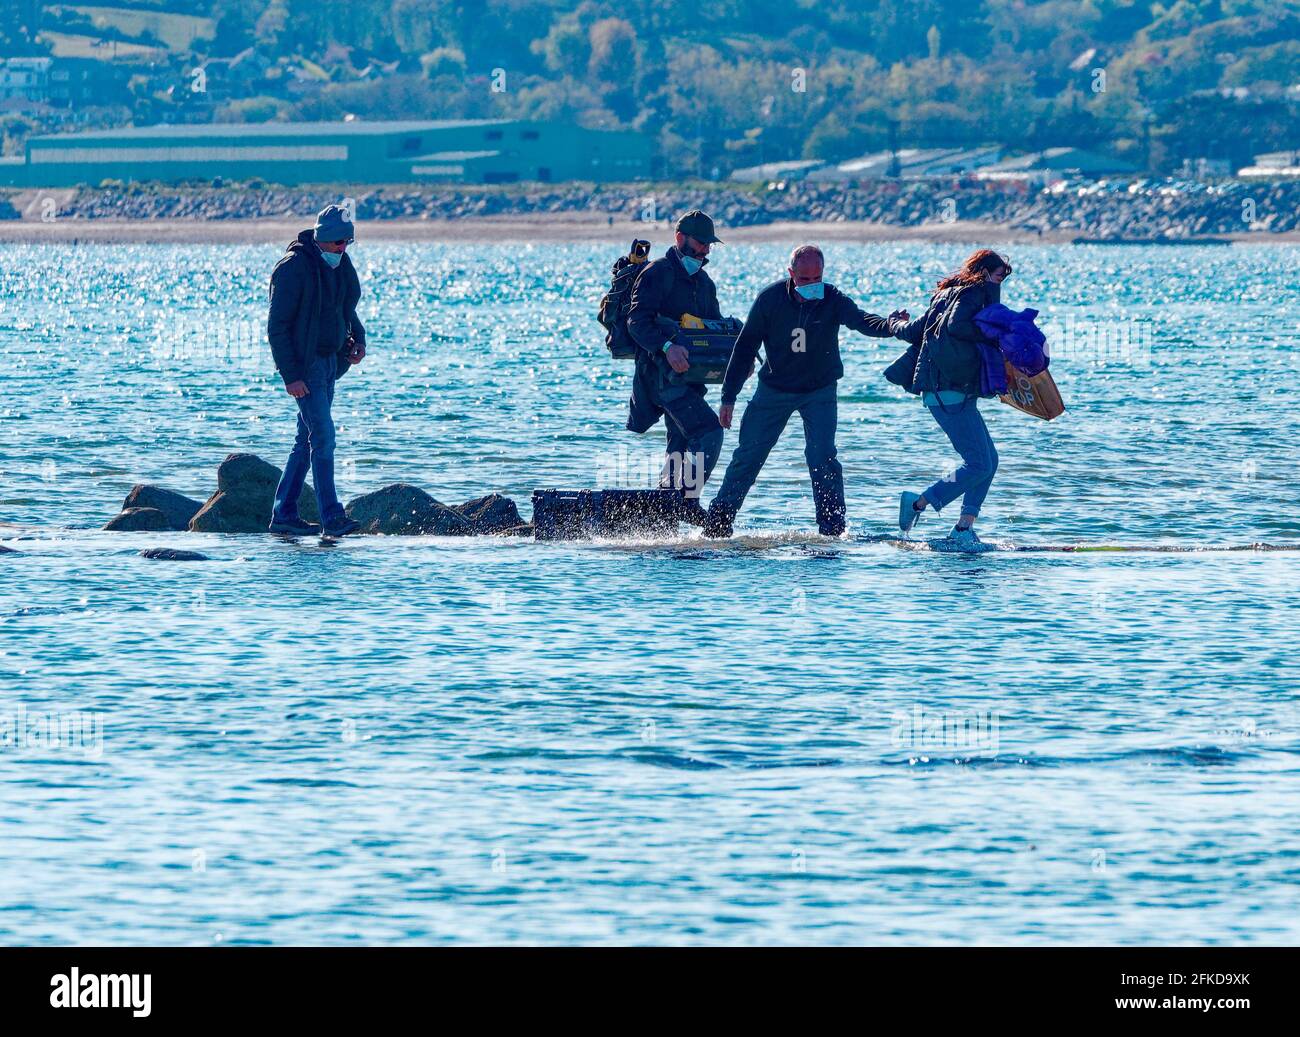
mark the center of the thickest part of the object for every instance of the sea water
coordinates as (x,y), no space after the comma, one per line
(780,739)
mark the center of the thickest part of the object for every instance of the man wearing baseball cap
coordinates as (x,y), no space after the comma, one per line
(669,288)
(315,337)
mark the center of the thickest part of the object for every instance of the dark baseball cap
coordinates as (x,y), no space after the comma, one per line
(698,226)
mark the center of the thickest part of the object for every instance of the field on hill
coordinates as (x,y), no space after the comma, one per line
(73,45)
(177,31)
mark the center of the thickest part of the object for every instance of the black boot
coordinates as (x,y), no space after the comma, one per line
(717,525)
(830,515)
(692,512)
(830,525)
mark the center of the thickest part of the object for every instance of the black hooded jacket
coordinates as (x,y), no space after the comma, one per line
(300,298)
(662,293)
(945,342)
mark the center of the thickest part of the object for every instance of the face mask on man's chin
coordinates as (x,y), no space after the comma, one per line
(332,259)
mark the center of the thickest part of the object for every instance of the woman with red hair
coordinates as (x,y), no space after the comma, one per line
(943,368)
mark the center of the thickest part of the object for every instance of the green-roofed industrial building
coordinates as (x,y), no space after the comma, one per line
(480,151)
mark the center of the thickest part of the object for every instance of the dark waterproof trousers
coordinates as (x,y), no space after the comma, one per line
(766,416)
(694,433)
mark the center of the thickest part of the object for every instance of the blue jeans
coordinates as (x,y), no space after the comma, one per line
(313,448)
(965,428)
(765,419)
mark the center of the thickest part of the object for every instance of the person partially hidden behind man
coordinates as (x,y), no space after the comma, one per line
(669,288)
(315,337)
(797,321)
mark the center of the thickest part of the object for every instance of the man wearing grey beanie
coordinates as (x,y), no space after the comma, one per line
(315,337)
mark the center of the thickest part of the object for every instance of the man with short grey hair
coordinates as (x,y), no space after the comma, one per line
(797,321)
(315,337)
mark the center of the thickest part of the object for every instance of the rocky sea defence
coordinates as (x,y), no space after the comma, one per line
(171,554)
(1112,210)
(246,491)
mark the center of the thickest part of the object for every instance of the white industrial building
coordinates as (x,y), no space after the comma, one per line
(911,163)
(1274,164)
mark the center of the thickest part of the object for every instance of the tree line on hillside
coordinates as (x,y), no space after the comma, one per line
(738,82)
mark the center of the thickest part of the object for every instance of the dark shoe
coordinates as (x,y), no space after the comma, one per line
(718,522)
(692,512)
(341,527)
(293,527)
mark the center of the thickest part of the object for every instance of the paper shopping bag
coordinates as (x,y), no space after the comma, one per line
(1034,394)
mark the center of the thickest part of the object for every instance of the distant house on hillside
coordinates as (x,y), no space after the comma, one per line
(303,78)
(24,82)
(379,70)
(86,82)
(35,84)
(238,76)
(247,68)
(214,78)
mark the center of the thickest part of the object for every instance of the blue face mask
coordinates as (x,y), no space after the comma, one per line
(691,265)
(332,259)
(816,290)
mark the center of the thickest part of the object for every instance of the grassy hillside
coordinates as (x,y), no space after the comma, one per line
(176,31)
(75,45)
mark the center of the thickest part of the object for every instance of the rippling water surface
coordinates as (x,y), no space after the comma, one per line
(780,739)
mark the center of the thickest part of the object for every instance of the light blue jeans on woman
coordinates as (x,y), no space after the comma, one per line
(965,428)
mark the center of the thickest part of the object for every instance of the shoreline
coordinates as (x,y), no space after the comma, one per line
(559,228)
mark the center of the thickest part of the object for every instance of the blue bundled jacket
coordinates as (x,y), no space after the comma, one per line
(1014,337)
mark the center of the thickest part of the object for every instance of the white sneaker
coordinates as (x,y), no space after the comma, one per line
(907,514)
(964,537)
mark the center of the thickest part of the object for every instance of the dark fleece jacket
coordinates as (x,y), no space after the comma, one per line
(800,338)
(294,327)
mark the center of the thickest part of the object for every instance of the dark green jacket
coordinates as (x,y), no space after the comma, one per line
(294,325)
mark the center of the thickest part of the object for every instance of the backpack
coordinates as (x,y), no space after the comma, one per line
(614,304)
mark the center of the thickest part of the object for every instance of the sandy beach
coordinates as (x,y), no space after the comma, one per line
(528,229)
(521,229)
(578,212)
